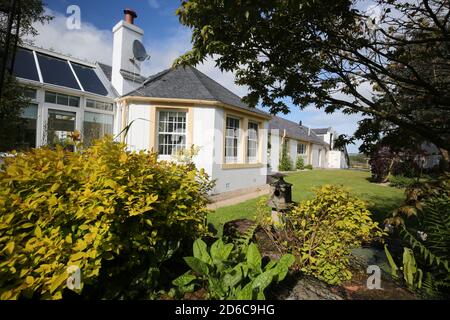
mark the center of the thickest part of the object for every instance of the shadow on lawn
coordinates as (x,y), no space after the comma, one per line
(382,207)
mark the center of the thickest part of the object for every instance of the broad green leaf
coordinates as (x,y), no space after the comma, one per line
(183,280)
(201,251)
(197,265)
(253,256)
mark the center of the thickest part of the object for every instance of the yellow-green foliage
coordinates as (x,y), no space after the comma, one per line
(60,208)
(325,229)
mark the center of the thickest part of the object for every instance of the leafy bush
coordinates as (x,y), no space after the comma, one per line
(321,232)
(300,164)
(309,167)
(112,213)
(285,161)
(231,274)
(412,275)
(424,222)
(401,181)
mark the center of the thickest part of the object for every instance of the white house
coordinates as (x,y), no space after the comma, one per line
(169,111)
(336,158)
(166,112)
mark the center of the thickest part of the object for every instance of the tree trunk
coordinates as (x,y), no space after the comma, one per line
(445,159)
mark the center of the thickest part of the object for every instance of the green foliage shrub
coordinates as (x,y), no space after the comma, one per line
(401,181)
(424,223)
(110,212)
(300,164)
(233,272)
(321,232)
(285,161)
(309,167)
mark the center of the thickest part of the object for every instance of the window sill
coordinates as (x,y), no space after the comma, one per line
(227,166)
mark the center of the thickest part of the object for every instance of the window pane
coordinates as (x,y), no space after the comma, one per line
(96,125)
(59,126)
(50,97)
(172,132)
(74,101)
(27,135)
(29,93)
(25,65)
(89,79)
(231,139)
(56,71)
(62,99)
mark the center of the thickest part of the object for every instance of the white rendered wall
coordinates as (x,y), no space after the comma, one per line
(275,141)
(138,137)
(334,159)
(204,137)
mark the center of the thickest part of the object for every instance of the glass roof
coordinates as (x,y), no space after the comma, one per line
(89,79)
(25,66)
(57,71)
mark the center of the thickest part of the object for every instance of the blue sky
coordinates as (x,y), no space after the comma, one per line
(164,38)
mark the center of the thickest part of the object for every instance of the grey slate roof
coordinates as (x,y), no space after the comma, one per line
(294,130)
(107,70)
(189,83)
(320,130)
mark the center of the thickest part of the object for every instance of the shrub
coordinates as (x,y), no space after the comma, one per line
(424,222)
(401,181)
(321,232)
(300,164)
(226,273)
(285,161)
(110,212)
(309,167)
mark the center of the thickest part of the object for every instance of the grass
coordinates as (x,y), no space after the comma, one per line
(381,200)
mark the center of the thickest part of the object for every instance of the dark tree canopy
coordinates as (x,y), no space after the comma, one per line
(332,55)
(16,21)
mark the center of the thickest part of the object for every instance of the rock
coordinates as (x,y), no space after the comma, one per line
(237,227)
(310,288)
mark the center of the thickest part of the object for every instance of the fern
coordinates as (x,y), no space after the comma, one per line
(243,240)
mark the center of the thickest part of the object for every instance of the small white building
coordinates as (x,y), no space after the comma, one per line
(299,140)
(335,158)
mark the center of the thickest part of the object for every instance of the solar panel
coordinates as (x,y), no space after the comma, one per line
(24,65)
(89,79)
(56,71)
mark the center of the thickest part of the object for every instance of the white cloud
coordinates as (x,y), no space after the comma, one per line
(154,4)
(89,42)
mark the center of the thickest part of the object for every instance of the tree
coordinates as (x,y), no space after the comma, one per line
(332,55)
(16,21)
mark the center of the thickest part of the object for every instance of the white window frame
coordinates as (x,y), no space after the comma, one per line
(304,148)
(253,159)
(235,137)
(185,113)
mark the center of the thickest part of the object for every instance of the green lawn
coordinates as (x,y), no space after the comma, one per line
(381,200)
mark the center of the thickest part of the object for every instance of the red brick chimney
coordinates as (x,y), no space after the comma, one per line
(130,15)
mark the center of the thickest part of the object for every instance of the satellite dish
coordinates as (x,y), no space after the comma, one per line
(139,52)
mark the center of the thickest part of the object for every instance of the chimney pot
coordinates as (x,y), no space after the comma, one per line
(130,15)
